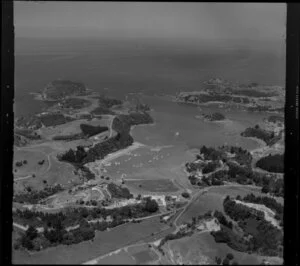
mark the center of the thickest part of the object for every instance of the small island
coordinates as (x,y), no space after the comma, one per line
(60,89)
(251,97)
(214,117)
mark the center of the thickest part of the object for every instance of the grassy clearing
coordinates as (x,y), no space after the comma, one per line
(121,257)
(157,185)
(142,254)
(59,173)
(32,166)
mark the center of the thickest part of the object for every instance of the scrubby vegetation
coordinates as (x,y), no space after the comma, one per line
(215,117)
(257,132)
(272,163)
(33,197)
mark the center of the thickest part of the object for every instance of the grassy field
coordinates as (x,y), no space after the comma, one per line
(144,256)
(157,185)
(32,166)
(103,243)
(58,173)
(122,257)
(135,255)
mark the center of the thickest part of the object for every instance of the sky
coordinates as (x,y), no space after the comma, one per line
(190,21)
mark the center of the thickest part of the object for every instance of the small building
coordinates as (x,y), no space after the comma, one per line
(166,218)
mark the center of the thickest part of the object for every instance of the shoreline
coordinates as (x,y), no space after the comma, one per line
(98,164)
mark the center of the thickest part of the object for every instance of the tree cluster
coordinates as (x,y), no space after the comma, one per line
(272,163)
(119,191)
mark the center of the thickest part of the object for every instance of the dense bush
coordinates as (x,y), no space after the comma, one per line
(257,132)
(118,191)
(212,153)
(185,194)
(215,117)
(226,235)
(151,205)
(222,219)
(239,212)
(210,167)
(267,201)
(272,163)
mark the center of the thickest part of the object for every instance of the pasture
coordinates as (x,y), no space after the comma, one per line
(120,257)
(32,157)
(156,185)
(142,254)
(57,173)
